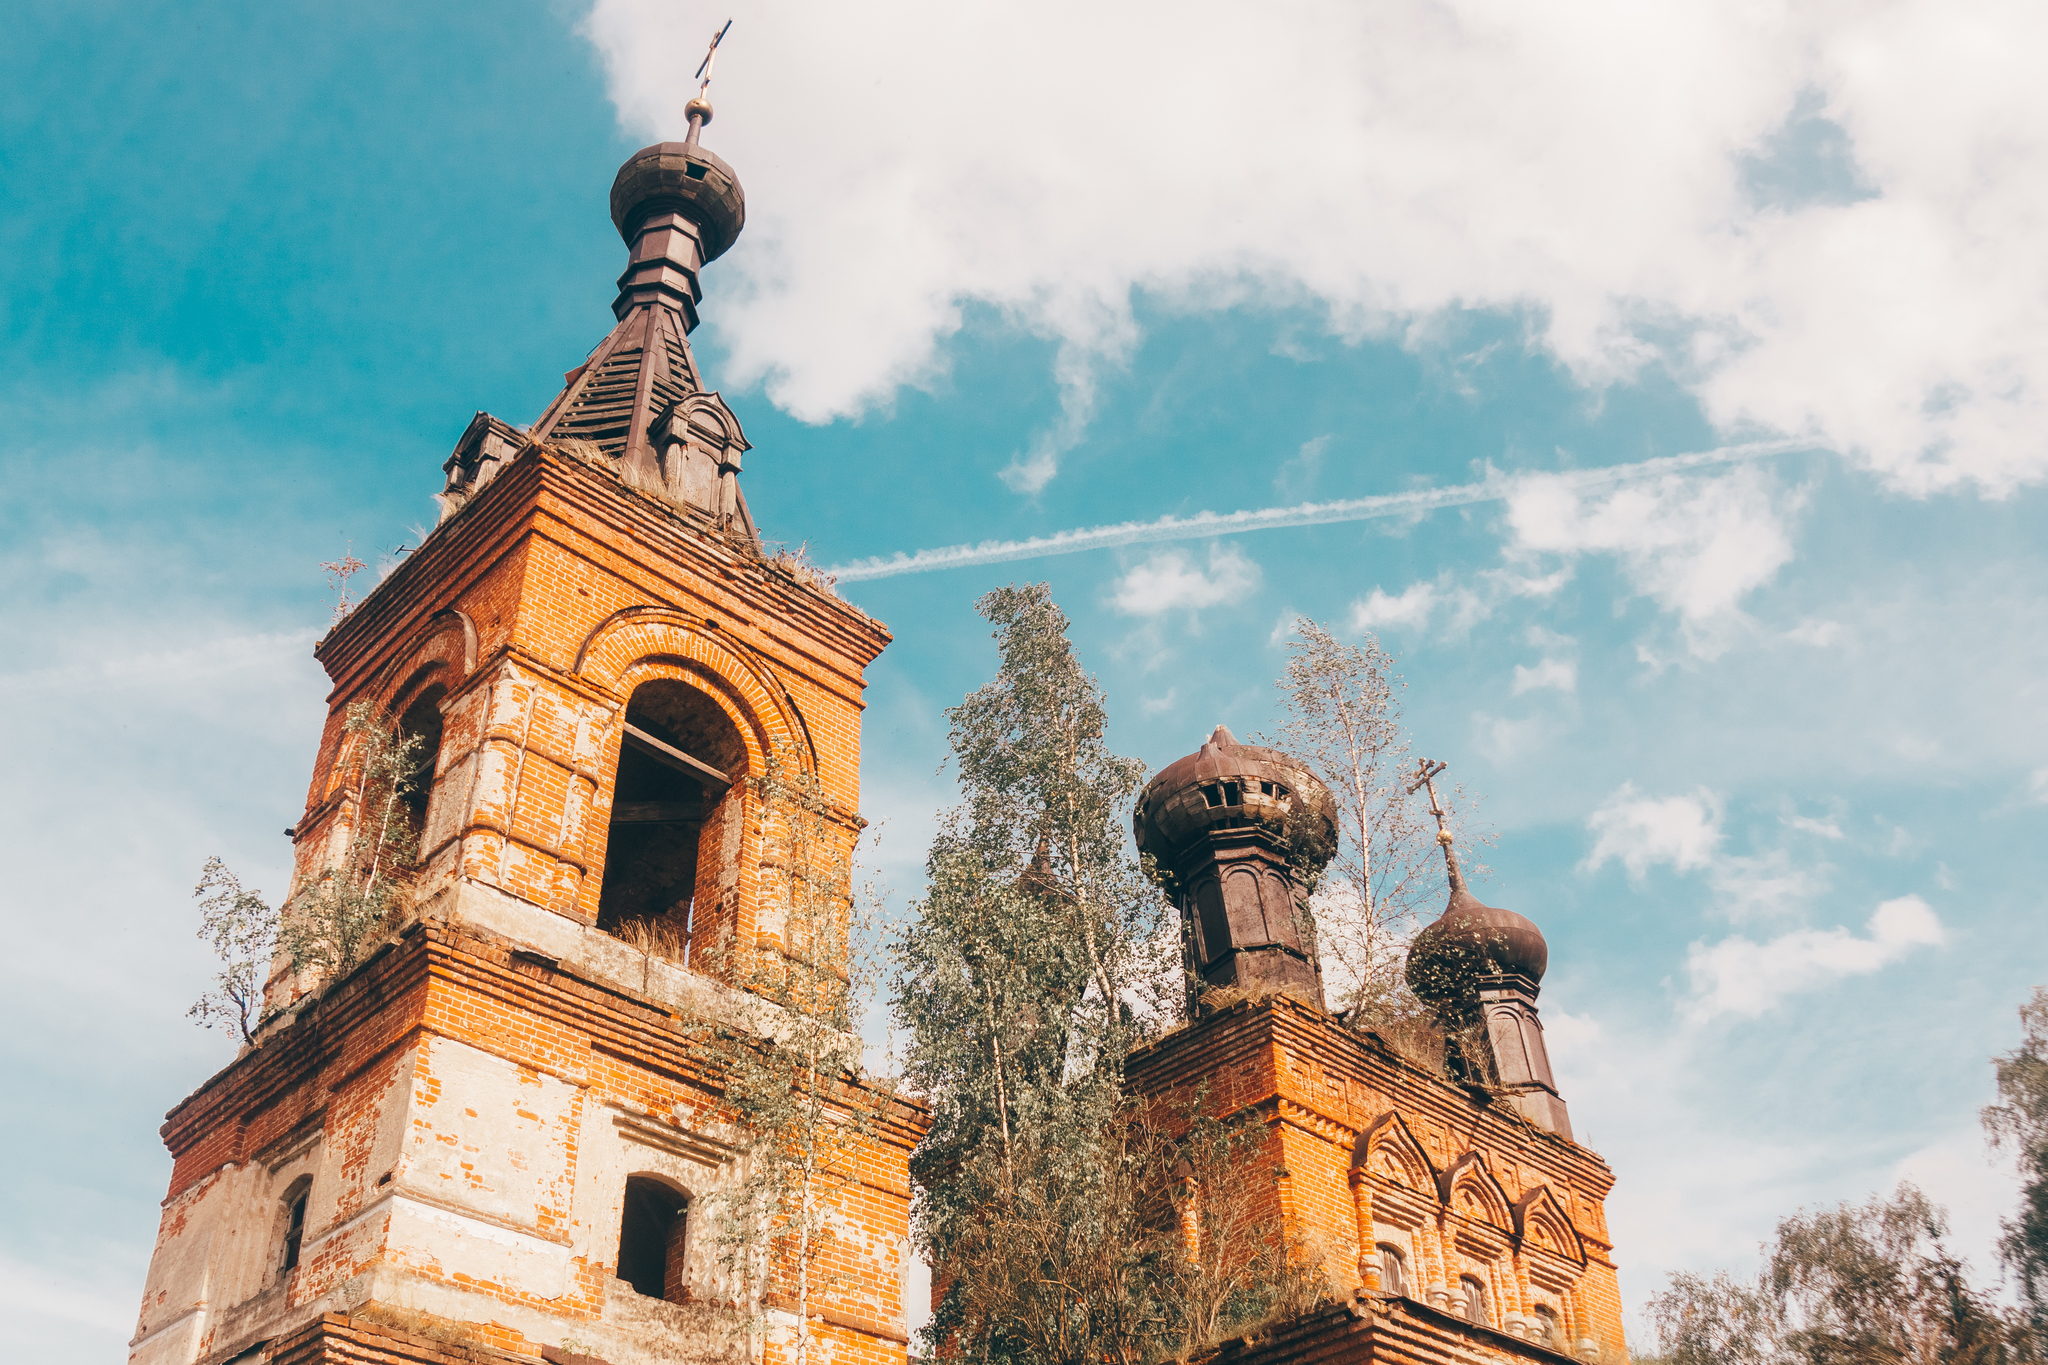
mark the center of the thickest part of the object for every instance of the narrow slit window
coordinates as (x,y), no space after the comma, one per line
(1393,1270)
(294,1231)
(1475,1300)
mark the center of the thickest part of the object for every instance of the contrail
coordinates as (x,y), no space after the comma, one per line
(1493,488)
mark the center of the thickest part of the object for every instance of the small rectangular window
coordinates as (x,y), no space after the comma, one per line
(1232,795)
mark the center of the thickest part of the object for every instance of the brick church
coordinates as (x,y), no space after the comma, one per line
(485,1142)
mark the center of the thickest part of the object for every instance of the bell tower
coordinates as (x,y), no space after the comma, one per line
(492,1138)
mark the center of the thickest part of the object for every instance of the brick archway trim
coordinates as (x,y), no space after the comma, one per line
(627,637)
(447,640)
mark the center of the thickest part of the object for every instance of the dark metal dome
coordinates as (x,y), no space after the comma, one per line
(1227,783)
(1470,940)
(678,177)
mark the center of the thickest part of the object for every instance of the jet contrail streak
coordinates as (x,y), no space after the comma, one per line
(1203,525)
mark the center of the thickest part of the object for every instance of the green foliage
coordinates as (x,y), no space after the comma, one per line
(333,922)
(1867,1284)
(1038,957)
(2019,1122)
(243,930)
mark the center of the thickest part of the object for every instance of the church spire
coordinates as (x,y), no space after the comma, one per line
(639,402)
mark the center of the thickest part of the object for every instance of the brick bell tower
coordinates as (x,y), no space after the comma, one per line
(488,1141)
(1448,1206)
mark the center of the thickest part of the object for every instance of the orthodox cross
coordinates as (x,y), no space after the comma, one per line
(698,110)
(710,55)
(1425,777)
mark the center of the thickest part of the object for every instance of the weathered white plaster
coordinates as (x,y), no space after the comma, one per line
(219,1245)
(491,1137)
(446,1243)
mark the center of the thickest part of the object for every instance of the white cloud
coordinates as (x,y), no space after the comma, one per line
(1159,706)
(1393,161)
(1377,610)
(2037,784)
(1823,829)
(1819,634)
(1765,886)
(1503,740)
(1696,544)
(1169,581)
(1561,674)
(1642,831)
(1742,977)
(1297,478)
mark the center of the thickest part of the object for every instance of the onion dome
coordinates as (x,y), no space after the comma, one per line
(680,177)
(1468,941)
(1225,784)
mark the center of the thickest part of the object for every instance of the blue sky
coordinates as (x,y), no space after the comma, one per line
(1763,742)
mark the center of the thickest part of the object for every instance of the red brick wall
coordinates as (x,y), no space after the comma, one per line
(1318,1086)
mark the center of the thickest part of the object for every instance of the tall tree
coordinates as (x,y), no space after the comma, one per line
(1342,716)
(2019,1123)
(1036,959)
(1868,1284)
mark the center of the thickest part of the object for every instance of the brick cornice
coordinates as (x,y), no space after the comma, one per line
(1285,1030)
(390,1001)
(675,561)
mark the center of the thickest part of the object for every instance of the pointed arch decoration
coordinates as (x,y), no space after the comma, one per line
(1542,1222)
(1469,1188)
(1387,1148)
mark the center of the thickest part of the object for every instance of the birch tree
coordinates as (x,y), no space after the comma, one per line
(2019,1124)
(1868,1284)
(1342,716)
(791,1075)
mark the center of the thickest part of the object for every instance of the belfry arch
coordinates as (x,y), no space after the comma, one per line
(672,845)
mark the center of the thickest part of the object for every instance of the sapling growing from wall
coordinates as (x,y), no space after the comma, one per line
(243,930)
(792,1079)
(335,920)
(337,917)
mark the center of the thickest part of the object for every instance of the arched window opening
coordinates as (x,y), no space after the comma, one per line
(422,720)
(1393,1270)
(1544,1323)
(294,1224)
(673,845)
(652,1235)
(1475,1300)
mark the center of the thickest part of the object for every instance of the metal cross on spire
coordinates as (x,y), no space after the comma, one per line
(1425,776)
(698,110)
